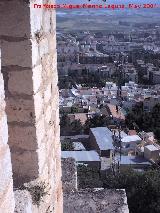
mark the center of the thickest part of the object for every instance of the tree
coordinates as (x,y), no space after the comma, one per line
(65,121)
(96,121)
(74,109)
(76,126)
(143,189)
(157,133)
(67,145)
(88,177)
(65,124)
(68,127)
(146,121)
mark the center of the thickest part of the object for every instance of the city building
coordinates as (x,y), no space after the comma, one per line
(100,139)
(90,158)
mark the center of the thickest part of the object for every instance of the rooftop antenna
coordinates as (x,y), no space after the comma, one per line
(120,78)
(120,142)
(119,64)
(116,161)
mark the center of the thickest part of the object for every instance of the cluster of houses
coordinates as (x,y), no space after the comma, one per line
(97,53)
(104,149)
(103,101)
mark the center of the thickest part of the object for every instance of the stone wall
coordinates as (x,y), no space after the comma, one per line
(69,175)
(94,200)
(29,66)
(6,182)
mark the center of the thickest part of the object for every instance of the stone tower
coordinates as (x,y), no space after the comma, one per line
(6,182)
(29,67)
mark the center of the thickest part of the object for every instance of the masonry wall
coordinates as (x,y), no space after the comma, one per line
(29,66)
(69,175)
(6,181)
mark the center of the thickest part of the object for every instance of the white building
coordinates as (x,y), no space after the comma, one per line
(152,153)
(130,142)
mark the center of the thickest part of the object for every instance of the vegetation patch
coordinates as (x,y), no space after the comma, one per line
(142,188)
(142,120)
(38,192)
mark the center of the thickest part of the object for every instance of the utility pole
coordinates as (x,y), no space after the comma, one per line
(119,64)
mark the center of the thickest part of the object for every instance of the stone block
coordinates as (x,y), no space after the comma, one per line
(48,115)
(58,171)
(6,182)
(54,100)
(38,104)
(20,82)
(47,67)
(37,78)
(25,166)
(95,200)
(32,104)
(2,105)
(17,23)
(47,21)
(3,130)
(1,88)
(40,130)
(47,93)
(53,19)
(35,17)
(22,138)
(52,43)
(7,203)
(43,155)
(59,199)
(69,175)
(20,110)
(35,53)
(24,202)
(17,53)
(43,47)
(5,169)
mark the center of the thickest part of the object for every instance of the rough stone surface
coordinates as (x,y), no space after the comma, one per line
(6,182)
(29,66)
(96,200)
(24,202)
(69,175)
(89,200)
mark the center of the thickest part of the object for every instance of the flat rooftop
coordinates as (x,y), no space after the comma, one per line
(74,137)
(131,138)
(81,156)
(78,146)
(103,137)
(122,133)
(152,147)
(134,160)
